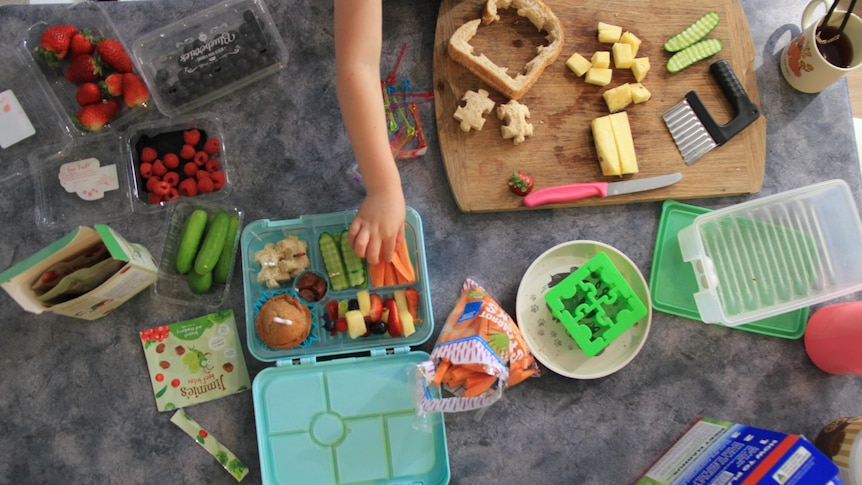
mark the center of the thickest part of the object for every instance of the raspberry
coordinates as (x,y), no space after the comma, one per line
(187,152)
(152,181)
(159,168)
(172,178)
(205,185)
(202,174)
(161,188)
(149,154)
(219,179)
(190,169)
(212,146)
(188,187)
(154,198)
(200,158)
(212,165)
(171,160)
(173,194)
(192,137)
(146,169)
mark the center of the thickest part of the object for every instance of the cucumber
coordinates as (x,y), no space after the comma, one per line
(223,266)
(693,53)
(212,244)
(693,33)
(199,283)
(333,262)
(352,263)
(190,239)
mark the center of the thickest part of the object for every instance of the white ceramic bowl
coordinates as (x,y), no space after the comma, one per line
(547,337)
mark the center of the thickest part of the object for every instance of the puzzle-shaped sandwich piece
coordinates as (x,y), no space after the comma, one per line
(596,304)
(472,114)
(514,117)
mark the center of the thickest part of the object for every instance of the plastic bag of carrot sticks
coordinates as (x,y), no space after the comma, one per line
(479,352)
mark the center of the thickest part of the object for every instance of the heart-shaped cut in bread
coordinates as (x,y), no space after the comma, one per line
(514,87)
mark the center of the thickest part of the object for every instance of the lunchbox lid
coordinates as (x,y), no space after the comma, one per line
(347,420)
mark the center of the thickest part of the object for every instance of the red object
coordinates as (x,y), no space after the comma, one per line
(113,84)
(88,93)
(212,146)
(81,44)
(205,185)
(94,117)
(188,187)
(376,308)
(159,168)
(192,137)
(833,337)
(412,297)
(55,41)
(146,169)
(111,52)
(172,178)
(219,179)
(151,182)
(187,152)
(135,92)
(190,169)
(393,324)
(341,324)
(149,155)
(161,187)
(200,158)
(332,310)
(521,183)
(83,69)
(212,165)
(154,198)
(171,160)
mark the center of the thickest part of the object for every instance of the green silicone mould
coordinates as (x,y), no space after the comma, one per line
(596,304)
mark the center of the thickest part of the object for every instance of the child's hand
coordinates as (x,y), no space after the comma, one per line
(378,226)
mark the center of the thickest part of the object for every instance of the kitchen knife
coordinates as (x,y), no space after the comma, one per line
(570,192)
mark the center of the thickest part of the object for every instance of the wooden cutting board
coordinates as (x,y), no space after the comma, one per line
(561,151)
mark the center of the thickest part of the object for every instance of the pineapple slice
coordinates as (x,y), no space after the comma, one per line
(599,76)
(618,98)
(608,34)
(640,94)
(640,68)
(624,142)
(623,57)
(601,59)
(355,323)
(606,148)
(632,40)
(578,64)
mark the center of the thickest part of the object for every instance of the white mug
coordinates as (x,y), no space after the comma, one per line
(802,62)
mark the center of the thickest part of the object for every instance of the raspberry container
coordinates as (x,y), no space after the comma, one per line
(323,417)
(166,136)
(201,58)
(90,17)
(173,286)
(775,254)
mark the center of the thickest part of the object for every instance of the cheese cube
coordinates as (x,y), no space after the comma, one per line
(640,94)
(640,68)
(623,58)
(618,98)
(598,76)
(606,148)
(601,59)
(632,40)
(578,64)
(624,142)
(608,33)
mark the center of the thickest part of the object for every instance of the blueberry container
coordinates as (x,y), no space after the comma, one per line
(335,409)
(203,57)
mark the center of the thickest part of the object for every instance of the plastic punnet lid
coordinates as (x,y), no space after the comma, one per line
(775,254)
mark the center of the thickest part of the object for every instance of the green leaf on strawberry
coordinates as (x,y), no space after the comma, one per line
(520,183)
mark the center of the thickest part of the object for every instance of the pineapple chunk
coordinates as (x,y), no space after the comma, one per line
(355,323)
(640,94)
(624,142)
(606,148)
(618,98)
(601,59)
(599,76)
(578,64)
(623,58)
(632,40)
(640,68)
(408,325)
(609,34)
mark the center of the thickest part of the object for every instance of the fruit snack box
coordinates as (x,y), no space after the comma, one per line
(86,274)
(198,59)
(339,407)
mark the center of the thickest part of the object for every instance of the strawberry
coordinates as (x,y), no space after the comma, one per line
(88,93)
(111,52)
(135,92)
(332,309)
(412,297)
(376,310)
(393,323)
(83,69)
(113,84)
(54,43)
(521,183)
(95,116)
(81,43)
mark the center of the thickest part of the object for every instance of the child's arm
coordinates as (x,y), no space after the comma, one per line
(379,223)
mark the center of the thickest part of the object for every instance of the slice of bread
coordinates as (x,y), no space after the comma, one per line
(497,77)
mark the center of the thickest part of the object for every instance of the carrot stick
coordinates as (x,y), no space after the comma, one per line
(478,384)
(375,273)
(402,263)
(389,275)
(442,368)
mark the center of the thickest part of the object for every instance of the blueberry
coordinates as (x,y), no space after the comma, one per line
(378,327)
(353,304)
(328,325)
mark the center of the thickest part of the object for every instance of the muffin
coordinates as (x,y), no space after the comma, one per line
(283,322)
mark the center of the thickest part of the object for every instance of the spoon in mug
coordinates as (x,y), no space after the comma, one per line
(843,22)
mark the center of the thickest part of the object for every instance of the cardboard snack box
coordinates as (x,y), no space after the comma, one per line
(92,290)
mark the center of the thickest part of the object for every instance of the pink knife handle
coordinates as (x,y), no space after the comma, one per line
(566,193)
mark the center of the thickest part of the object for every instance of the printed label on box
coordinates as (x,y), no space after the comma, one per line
(14,123)
(88,178)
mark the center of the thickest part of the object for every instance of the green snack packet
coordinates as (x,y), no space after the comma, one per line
(228,460)
(195,360)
